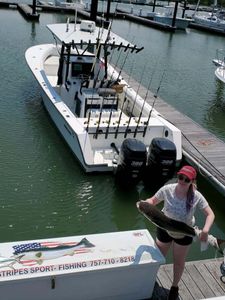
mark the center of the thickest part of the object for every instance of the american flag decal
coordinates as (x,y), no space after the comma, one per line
(26,247)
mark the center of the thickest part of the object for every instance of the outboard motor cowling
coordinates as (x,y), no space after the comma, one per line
(161,162)
(131,163)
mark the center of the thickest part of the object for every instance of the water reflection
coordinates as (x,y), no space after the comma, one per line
(33,30)
(215,114)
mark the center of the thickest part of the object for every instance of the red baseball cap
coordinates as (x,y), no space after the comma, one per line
(188,171)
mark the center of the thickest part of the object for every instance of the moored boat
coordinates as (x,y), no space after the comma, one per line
(219,61)
(74,4)
(167,18)
(107,125)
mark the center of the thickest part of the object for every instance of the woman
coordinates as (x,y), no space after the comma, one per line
(180,202)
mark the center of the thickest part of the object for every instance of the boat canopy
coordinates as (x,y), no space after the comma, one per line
(76,34)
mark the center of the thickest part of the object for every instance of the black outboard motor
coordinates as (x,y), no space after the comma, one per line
(161,162)
(131,163)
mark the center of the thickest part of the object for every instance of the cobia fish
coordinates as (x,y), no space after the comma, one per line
(38,252)
(158,218)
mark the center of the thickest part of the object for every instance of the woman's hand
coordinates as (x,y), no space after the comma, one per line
(203,236)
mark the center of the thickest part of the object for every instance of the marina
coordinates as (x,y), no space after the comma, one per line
(62,201)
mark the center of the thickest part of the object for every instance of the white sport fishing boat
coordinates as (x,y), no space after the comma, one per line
(106,124)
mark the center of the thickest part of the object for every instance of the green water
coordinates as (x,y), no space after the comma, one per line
(43,191)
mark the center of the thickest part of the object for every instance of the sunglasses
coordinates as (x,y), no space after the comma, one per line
(183,178)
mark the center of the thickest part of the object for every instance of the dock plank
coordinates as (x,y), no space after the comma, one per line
(200,280)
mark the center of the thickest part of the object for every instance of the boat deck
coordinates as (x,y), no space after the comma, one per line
(200,147)
(200,280)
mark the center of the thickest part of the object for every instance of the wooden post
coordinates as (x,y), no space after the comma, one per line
(175,14)
(94,9)
(34,7)
(185,5)
(153,8)
(108,10)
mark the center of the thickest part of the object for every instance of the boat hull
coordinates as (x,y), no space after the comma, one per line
(179,22)
(71,137)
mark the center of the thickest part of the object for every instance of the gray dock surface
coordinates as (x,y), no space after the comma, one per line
(27,11)
(200,280)
(200,147)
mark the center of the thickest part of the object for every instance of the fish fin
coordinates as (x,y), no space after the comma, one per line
(38,254)
(204,246)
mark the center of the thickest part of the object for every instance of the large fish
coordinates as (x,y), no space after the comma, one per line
(38,252)
(158,218)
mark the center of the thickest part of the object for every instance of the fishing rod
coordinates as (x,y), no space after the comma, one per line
(68,48)
(153,104)
(99,120)
(117,79)
(124,100)
(97,49)
(105,55)
(110,117)
(92,68)
(115,66)
(131,113)
(143,105)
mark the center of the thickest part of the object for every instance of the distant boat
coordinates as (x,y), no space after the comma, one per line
(220,73)
(219,61)
(211,21)
(167,18)
(75,4)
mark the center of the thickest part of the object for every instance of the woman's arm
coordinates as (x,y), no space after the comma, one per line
(208,223)
(153,200)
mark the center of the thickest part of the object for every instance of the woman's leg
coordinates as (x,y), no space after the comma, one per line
(163,247)
(179,256)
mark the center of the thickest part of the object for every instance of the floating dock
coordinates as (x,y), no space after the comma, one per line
(200,280)
(201,148)
(28,12)
(206,28)
(144,21)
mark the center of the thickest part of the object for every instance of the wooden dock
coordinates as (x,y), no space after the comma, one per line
(200,280)
(201,148)
(27,12)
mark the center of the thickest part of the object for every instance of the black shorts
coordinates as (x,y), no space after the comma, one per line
(164,237)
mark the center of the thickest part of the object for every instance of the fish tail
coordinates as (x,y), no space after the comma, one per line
(86,243)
